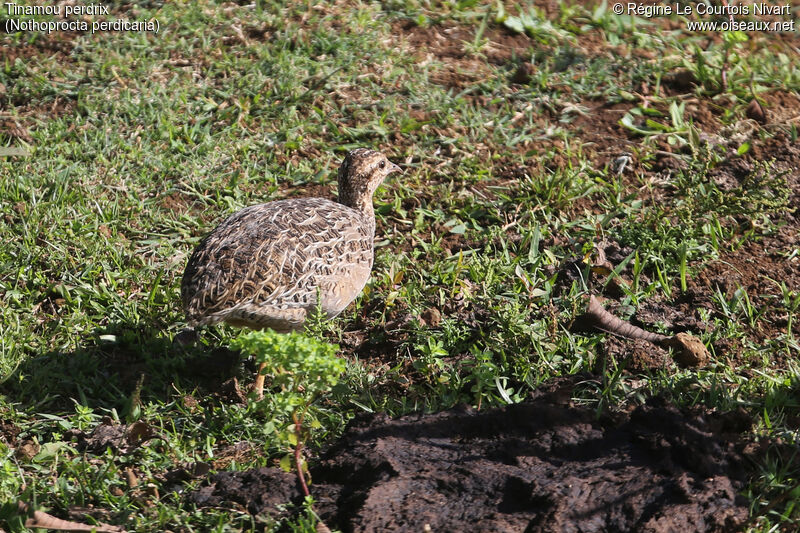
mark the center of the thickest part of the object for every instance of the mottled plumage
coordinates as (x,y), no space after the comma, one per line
(269,265)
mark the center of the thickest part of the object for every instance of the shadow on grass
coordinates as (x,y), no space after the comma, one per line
(105,372)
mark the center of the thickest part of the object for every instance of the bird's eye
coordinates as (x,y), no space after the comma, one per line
(383,164)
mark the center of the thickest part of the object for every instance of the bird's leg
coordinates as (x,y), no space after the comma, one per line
(258,386)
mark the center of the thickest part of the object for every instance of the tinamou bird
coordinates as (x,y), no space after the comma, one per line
(271,265)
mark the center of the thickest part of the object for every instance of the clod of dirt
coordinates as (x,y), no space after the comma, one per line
(432,317)
(120,438)
(260,491)
(681,79)
(27,450)
(8,432)
(523,74)
(756,112)
(187,471)
(231,392)
(689,350)
(542,465)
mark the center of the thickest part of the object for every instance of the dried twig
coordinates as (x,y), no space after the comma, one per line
(689,350)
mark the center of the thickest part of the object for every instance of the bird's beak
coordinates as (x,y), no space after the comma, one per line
(393,168)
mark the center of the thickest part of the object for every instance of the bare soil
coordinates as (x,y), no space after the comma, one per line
(543,465)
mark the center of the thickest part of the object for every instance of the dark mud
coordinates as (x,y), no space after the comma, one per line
(543,465)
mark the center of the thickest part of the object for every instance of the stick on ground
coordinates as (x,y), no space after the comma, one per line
(688,350)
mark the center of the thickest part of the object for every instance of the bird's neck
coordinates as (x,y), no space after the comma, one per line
(370,218)
(364,206)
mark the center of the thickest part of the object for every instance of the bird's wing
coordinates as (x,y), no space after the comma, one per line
(275,256)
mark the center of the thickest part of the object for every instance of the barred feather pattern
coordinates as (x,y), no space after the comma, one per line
(268,265)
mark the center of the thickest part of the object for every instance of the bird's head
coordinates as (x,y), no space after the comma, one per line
(360,174)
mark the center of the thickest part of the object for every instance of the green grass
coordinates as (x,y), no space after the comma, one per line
(140,144)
